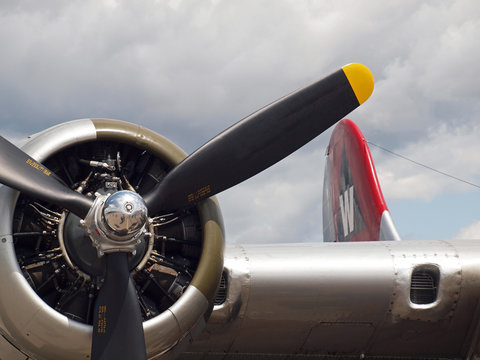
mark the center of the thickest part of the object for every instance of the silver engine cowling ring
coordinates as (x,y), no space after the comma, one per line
(43,333)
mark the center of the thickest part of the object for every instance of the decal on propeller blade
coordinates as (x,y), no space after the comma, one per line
(199,194)
(102,319)
(39,167)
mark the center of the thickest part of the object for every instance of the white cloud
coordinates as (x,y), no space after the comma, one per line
(470,232)
(283,204)
(428,67)
(190,69)
(450,150)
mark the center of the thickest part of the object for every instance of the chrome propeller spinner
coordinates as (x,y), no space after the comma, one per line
(117,222)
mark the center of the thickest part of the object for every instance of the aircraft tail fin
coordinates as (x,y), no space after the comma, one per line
(353,205)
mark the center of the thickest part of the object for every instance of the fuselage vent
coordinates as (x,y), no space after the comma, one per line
(222,291)
(424,285)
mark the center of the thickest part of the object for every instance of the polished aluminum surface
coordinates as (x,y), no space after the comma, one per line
(9,352)
(171,330)
(116,222)
(43,144)
(345,299)
(388,231)
(125,213)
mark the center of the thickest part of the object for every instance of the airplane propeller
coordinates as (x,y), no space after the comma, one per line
(240,152)
(262,139)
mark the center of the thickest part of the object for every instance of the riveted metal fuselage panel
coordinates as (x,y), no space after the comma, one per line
(346,299)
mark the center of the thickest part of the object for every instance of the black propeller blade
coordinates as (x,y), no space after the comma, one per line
(262,139)
(117,323)
(21,172)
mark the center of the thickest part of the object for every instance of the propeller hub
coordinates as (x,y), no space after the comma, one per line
(124,214)
(117,222)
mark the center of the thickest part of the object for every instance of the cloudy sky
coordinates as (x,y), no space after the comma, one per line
(189,69)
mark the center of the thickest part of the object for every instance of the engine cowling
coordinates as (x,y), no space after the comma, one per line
(52,271)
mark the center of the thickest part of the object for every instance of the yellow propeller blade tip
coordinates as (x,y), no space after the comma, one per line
(360,79)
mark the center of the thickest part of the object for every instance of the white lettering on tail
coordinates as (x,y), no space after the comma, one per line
(346,211)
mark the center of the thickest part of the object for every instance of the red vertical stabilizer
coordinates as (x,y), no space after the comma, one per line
(353,205)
